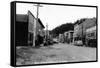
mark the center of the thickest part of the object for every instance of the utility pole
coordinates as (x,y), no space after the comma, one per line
(46,34)
(82,33)
(34,37)
(47,29)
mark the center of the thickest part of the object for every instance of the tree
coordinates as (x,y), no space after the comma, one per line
(62,28)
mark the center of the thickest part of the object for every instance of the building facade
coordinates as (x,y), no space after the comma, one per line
(91,36)
(25,28)
(81,28)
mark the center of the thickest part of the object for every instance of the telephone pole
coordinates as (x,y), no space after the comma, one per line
(46,34)
(34,37)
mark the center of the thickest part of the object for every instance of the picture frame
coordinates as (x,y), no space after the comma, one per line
(27,38)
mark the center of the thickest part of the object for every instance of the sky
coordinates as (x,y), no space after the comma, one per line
(55,15)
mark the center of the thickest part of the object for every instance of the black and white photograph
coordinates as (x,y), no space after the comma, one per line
(47,33)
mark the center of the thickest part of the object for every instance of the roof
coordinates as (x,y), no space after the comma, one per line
(31,13)
(24,18)
(85,20)
(80,21)
(38,19)
(21,17)
(40,22)
(68,31)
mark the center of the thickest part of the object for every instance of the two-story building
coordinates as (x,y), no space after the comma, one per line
(81,27)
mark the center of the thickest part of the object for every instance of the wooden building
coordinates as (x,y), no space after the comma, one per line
(25,28)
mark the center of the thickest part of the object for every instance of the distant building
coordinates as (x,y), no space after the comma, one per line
(25,28)
(61,38)
(68,36)
(76,31)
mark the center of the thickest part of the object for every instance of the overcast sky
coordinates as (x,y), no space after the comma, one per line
(56,15)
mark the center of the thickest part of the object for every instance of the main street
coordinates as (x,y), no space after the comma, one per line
(56,53)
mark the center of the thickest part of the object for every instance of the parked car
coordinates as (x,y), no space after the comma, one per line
(78,43)
(55,41)
(91,42)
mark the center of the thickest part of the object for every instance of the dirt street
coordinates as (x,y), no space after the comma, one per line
(54,54)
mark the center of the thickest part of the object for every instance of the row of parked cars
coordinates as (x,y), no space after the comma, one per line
(88,43)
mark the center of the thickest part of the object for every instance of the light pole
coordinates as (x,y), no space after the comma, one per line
(34,37)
